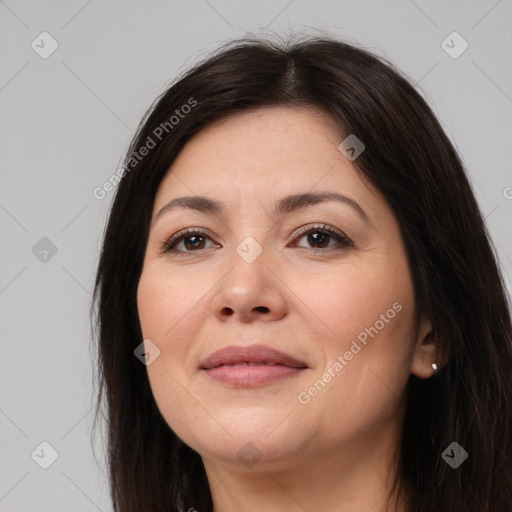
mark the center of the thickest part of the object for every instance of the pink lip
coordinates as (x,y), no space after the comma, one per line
(255,364)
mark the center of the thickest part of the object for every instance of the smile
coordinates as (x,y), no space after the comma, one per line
(246,366)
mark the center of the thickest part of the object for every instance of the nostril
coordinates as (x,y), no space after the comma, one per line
(263,309)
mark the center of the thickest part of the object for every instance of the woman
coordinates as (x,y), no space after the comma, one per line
(298,303)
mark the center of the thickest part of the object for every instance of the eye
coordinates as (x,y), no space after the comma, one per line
(194,239)
(191,237)
(320,236)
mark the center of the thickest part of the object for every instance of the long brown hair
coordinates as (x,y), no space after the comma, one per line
(456,277)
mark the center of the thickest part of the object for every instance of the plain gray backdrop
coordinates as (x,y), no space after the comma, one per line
(68,113)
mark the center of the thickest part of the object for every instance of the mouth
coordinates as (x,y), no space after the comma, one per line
(250,366)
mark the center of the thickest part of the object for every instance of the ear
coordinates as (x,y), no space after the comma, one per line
(426,351)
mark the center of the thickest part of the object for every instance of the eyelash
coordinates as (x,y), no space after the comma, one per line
(170,245)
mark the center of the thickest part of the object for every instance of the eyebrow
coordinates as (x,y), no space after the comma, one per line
(282,207)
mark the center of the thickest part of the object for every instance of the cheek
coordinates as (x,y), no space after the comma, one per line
(370,316)
(350,303)
(171,311)
(162,300)
(157,304)
(163,309)
(367,355)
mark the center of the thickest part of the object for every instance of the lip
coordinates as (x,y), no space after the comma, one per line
(250,365)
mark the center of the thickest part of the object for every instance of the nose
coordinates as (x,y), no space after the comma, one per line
(249,291)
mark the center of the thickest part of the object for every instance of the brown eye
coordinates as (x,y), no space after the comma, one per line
(320,237)
(193,240)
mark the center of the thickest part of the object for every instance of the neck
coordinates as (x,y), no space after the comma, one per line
(355,476)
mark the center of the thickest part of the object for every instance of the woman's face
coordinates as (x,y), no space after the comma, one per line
(341,305)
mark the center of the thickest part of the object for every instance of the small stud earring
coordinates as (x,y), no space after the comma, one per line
(434,367)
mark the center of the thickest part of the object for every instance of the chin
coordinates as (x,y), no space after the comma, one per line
(260,453)
(244,439)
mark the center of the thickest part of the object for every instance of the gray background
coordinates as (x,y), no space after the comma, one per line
(65,125)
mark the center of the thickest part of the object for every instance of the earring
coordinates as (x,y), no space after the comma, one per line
(434,367)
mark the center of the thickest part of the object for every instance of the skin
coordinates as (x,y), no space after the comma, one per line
(336,452)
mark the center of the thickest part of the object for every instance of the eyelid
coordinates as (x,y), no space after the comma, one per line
(343,241)
(330,230)
(182,233)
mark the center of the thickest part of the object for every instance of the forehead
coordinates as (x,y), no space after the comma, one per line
(268,133)
(262,155)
